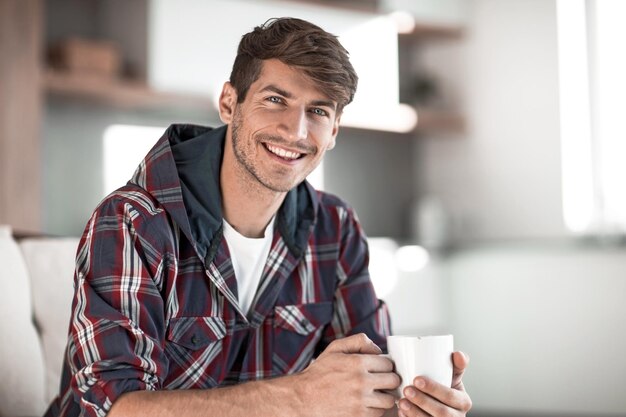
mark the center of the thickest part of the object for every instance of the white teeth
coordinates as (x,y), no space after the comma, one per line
(283,153)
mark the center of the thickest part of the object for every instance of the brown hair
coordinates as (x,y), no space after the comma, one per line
(299,44)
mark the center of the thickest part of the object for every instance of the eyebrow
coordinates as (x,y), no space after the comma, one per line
(325,103)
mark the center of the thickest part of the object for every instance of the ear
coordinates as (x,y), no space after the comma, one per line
(227,103)
(332,143)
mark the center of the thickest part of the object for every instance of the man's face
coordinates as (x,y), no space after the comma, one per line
(281,131)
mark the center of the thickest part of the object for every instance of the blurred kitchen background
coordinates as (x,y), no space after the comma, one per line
(499,216)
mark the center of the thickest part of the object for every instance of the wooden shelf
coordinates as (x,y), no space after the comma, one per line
(430,31)
(119,93)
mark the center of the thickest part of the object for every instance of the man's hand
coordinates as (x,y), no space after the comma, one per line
(429,398)
(347,380)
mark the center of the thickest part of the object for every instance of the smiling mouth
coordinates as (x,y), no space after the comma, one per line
(283,153)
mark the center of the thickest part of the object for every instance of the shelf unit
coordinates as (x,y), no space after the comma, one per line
(137,95)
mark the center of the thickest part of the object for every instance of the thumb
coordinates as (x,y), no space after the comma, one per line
(460,361)
(358,343)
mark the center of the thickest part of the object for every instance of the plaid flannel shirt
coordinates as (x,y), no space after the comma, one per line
(154,309)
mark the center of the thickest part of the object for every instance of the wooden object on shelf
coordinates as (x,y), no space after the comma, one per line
(83,56)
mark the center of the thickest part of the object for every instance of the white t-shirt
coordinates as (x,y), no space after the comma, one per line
(248,256)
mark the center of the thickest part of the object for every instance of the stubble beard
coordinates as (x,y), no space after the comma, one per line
(251,174)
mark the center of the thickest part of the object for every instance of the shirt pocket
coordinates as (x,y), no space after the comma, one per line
(297,330)
(303,318)
(195,332)
(194,351)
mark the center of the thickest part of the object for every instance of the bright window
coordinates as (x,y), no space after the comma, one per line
(592,88)
(124,148)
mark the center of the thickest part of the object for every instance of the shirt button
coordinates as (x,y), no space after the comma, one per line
(194,339)
(304,323)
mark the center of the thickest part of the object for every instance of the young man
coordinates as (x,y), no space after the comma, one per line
(209,283)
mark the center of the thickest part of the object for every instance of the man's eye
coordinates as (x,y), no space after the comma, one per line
(320,112)
(274,99)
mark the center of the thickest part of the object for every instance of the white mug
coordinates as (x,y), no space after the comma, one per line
(429,356)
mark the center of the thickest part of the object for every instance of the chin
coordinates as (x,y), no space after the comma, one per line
(281,187)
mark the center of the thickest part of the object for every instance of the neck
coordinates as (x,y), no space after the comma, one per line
(247,205)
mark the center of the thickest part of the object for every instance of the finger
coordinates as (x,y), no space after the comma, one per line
(358,343)
(431,396)
(421,405)
(459,361)
(379,363)
(381,400)
(408,409)
(384,381)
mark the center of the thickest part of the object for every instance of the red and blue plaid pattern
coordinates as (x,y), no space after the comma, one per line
(149,313)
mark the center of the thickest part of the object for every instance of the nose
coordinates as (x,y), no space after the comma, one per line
(294,124)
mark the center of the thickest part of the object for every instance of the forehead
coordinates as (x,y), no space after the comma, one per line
(290,79)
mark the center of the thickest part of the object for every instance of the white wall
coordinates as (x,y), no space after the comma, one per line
(543,326)
(501,179)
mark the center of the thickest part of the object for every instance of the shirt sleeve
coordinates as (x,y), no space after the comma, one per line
(117,323)
(357,309)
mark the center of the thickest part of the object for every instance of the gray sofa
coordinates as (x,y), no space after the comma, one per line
(36,281)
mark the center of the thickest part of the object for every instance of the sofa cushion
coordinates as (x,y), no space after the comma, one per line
(50,264)
(21,362)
